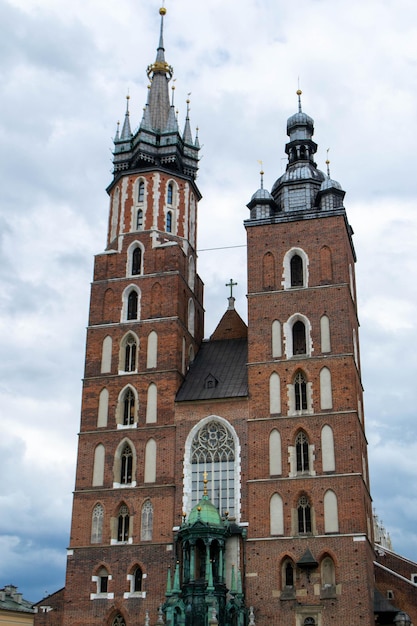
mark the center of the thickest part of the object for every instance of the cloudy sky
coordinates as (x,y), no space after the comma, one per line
(65,69)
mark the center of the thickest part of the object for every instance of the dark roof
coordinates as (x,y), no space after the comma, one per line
(11,600)
(218,371)
(381,604)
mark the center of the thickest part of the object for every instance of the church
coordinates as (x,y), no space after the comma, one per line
(223,480)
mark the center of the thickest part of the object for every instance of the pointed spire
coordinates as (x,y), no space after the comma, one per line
(117,137)
(159,73)
(197,142)
(187,128)
(126,130)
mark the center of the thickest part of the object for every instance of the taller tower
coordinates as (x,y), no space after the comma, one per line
(145,325)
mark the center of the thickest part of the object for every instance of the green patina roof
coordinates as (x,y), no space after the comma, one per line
(205,512)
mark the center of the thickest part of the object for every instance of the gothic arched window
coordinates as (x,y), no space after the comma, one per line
(296,270)
(300,392)
(301,449)
(139,220)
(213,451)
(289,573)
(128,408)
(126,465)
(136,261)
(304,515)
(299,344)
(169,222)
(123,524)
(141,191)
(137,579)
(132,305)
(146,527)
(130,354)
(170,193)
(97,524)
(118,621)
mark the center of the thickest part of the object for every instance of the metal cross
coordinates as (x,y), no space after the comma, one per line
(231,285)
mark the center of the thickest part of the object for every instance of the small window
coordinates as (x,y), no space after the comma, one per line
(129,408)
(169,222)
(170,193)
(300,392)
(123,524)
(296,269)
(130,354)
(137,580)
(136,262)
(299,344)
(304,515)
(132,306)
(141,191)
(289,574)
(126,465)
(118,621)
(103,580)
(139,220)
(301,447)
(309,621)
(390,595)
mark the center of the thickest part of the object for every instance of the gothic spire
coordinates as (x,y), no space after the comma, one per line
(159,73)
(126,130)
(187,128)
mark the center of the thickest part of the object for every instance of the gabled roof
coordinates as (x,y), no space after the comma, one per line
(11,600)
(219,371)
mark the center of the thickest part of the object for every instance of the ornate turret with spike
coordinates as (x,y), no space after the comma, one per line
(158,141)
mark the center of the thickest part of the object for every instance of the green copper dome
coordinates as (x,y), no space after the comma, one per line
(205,512)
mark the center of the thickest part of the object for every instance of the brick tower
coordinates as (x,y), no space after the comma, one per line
(220,481)
(145,324)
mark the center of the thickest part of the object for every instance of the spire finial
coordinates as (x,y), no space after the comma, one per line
(173,91)
(328,162)
(299,92)
(205,481)
(262,174)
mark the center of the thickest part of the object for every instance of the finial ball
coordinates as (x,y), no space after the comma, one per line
(162,11)
(299,92)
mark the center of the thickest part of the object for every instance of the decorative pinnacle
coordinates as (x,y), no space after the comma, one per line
(205,481)
(162,11)
(328,163)
(299,92)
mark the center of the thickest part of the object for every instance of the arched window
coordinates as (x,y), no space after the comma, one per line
(325,333)
(132,305)
(136,261)
(276,513)
(275,465)
(304,515)
(274,394)
(309,621)
(213,451)
(326,400)
(300,392)
(126,465)
(103,408)
(268,271)
(327,449)
(170,193)
(150,461)
(152,351)
(139,220)
(128,408)
(331,517)
(130,350)
(123,523)
(106,351)
(102,580)
(141,191)
(118,620)
(296,267)
(191,316)
(152,404)
(276,339)
(302,455)
(299,344)
(169,222)
(328,577)
(97,524)
(137,579)
(146,527)
(288,573)
(98,467)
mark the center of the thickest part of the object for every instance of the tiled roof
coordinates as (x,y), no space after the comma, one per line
(11,600)
(219,371)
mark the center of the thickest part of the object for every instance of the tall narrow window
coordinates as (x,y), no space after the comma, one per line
(137,261)
(276,514)
(137,580)
(170,193)
(213,451)
(296,268)
(150,461)
(146,521)
(97,524)
(331,516)
(299,345)
(304,515)
(301,448)
(123,524)
(289,573)
(128,408)
(126,465)
(139,220)
(132,305)
(130,354)
(141,191)
(275,464)
(98,467)
(169,222)
(300,392)
(103,580)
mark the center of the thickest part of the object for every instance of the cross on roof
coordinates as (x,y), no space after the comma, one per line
(231,285)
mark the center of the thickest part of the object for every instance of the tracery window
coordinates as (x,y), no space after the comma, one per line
(130,354)
(304,515)
(128,408)
(97,524)
(123,524)
(118,621)
(126,465)
(300,392)
(213,451)
(296,269)
(136,261)
(301,448)
(309,621)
